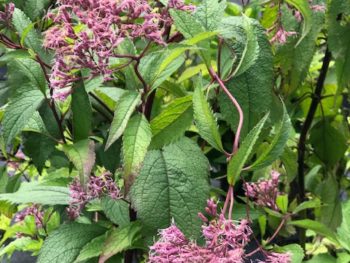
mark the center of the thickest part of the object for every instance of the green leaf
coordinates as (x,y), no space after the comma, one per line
(339,40)
(37,193)
(323,258)
(121,239)
(296,251)
(172,185)
(238,160)
(20,109)
(82,155)
(209,13)
(136,139)
(343,232)
(65,244)
(276,147)
(33,38)
(172,122)
(316,226)
(307,205)
(15,54)
(205,120)
(82,112)
(116,210)
(38,147)
(92,249)
(252,89)
(282,203)
(125,107)
(186,23)
(35,8)
(333,145)
(304,8)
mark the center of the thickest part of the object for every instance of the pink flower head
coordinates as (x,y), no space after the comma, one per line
(318,8)
(264,192)
(34,211)
(278,258)
(281,36)
(180,5)
(6,16)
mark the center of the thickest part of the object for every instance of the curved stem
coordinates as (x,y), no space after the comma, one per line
(235,103)
(231,204)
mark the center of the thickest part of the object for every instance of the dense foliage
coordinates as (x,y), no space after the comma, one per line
(172,131)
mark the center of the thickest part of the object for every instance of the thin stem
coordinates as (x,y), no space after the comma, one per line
(228,199)
(236,104)
(231,204)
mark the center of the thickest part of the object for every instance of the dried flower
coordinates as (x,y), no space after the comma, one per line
(34,211)
(264,192)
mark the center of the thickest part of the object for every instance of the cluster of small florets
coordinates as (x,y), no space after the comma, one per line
(6,16)
(224,241)
(34,211)
(97,186)
(86,34)
(264,192)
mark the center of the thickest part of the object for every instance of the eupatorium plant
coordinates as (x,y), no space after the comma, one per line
(174,131)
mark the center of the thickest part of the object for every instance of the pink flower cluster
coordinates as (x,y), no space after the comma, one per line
(225,242)
(96,187)
(282,35)
(6,16)
(278,258)
(86,33)
(264,192)
(34,211)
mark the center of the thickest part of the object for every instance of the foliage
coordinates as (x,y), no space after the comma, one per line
(120,121)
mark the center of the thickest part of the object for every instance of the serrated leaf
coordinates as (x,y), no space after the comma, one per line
(64,244)
(172,122)
(296,251)
(136,139)
(33,39)
(82,155)
(125,107)
(252,89)
(120,239)
(116,210)
(209,13)
(172,185)
(238,160)
(307,205)
(38,147)
(276,147)
(92,249)
(35,8)
(15,54)
(32,71)
(205,120)
(304,8)
(37,193)
(316,226)
(82,112)
(20,109)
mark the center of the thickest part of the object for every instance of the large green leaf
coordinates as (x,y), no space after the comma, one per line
(275,148)
(339,39)
(172,185)
(82,112)
(304,9)
(209,13)
(35,8)
(136,139)
(65,243)
(82,155)
(37,193)
(239,34)
(238,161)
(252,89)
(205,120)
(20,109)
(295,250)
(92,249)
(116,210)
(343,232)
(33,39)
(120,239)
(125,107)
(172,122)
(333,145)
